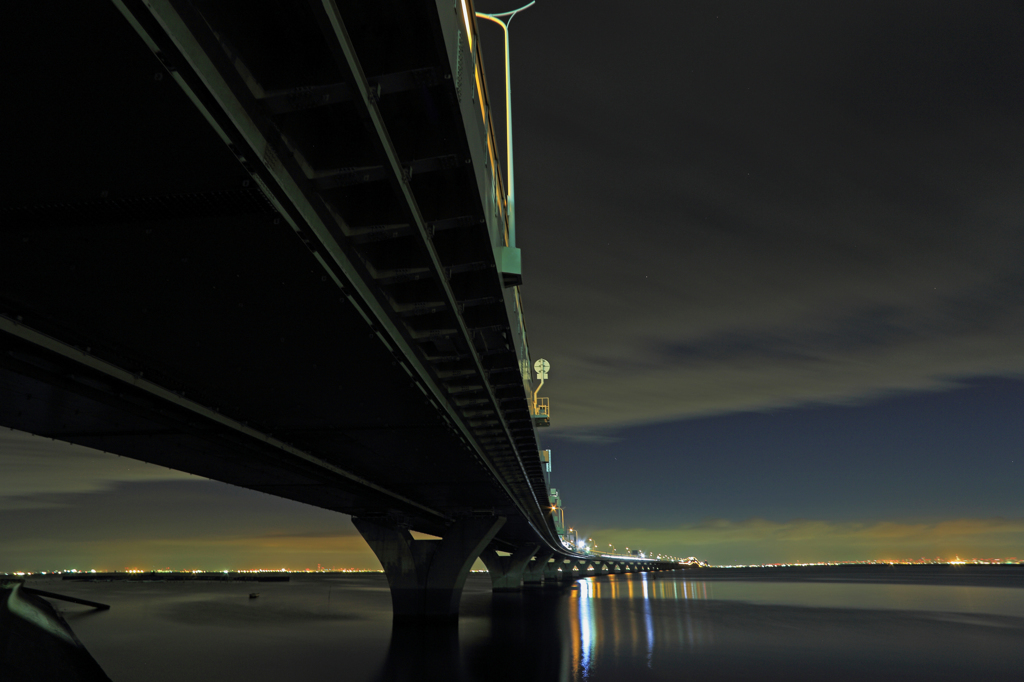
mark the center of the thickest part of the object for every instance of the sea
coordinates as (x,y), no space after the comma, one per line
(709,624)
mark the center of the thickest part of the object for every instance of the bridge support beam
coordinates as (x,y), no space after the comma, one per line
(507,571)
(533,573)
(553,575)
(427,576)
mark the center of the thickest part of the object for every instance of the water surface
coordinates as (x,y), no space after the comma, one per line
(613,628)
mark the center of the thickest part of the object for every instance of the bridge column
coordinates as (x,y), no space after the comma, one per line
(567,575)
(427,576)
(552,574)
(533,573)
(507,571)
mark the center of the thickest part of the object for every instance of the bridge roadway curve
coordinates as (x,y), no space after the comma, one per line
(267,243)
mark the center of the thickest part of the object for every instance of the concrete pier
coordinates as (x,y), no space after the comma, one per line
(507,571)
(427,576)
(533,572)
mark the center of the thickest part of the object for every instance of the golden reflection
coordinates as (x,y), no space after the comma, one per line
(605,625)
(616,622)
(642,586)
(576,625)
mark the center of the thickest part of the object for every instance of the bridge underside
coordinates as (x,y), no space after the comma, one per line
(339,337)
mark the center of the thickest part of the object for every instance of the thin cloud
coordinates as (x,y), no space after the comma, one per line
(183,524)
(589,436)
(207,553)
(37,470)
(828,223)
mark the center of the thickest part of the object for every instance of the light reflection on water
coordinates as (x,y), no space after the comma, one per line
(644,587)
(1006,601)
(612,628)
(800,630)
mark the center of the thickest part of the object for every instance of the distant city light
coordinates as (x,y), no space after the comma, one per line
(956,561)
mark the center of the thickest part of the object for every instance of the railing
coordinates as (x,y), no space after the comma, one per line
(498,181)
(541,408)
(521,319)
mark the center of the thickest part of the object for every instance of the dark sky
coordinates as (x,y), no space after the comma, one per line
(775,255)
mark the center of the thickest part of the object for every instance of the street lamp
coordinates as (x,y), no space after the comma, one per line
(496,18)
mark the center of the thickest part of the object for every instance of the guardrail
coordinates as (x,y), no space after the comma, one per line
(499,196)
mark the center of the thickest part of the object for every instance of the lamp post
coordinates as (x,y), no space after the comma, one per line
(541,366)
(496,18)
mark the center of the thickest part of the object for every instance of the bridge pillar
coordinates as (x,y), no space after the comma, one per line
(426,577)
(533,573)
(566,575)
(507,571)
(552,574)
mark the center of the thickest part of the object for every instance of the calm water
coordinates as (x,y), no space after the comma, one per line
(614,628)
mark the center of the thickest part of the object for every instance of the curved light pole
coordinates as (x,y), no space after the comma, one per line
(496,18)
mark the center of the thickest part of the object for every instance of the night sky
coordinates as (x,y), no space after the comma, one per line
(774,253)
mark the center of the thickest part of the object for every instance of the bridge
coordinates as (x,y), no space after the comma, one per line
(269,243)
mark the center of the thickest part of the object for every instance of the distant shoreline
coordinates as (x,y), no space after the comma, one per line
(969,574)
(975,575)
(166,576)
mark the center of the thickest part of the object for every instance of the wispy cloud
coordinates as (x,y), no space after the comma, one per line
(36,471)
(591,436)
(181,524)
(783,238)
(209,553)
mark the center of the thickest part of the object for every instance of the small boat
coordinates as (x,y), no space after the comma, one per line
(253,595)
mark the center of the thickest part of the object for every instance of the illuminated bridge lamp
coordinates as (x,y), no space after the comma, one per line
(465,18)
(496,18)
